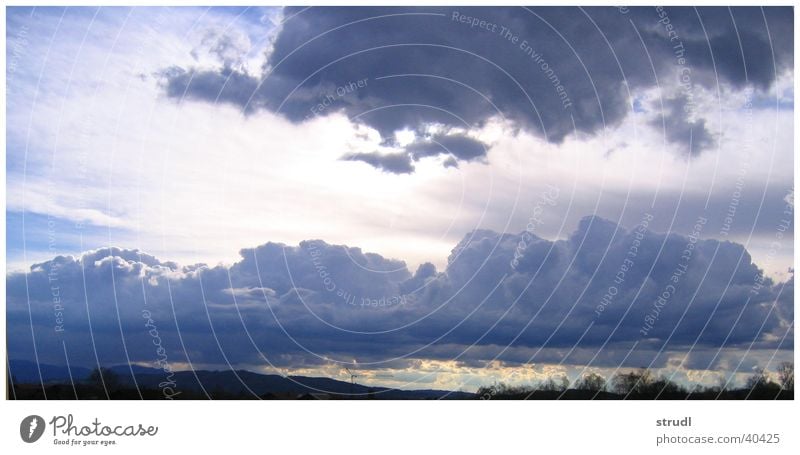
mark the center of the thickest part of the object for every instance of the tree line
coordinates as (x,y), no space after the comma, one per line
(637,384)
(642,383)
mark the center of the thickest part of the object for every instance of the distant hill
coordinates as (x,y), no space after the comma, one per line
(240,382)
(25,372)
(248,383)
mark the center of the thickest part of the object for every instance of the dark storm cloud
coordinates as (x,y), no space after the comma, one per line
(552,71)
(300,305)
(223,86)
(457,146)
(395,163)
(680,128)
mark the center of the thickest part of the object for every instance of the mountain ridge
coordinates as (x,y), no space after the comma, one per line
(233,382)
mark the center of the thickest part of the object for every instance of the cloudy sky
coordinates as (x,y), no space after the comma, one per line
(452,195)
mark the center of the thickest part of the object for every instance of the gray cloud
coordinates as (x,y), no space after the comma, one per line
(457,146)
(395,163)
(567,70)
(226,46)
(680,127)
(303,304)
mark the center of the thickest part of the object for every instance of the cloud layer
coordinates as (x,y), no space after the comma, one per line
(517,298)
(551,71)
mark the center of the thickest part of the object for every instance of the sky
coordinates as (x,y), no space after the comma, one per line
(453,195)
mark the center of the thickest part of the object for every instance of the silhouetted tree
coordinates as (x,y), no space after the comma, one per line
(634,382)
(760,386)
(503,391)
(486,392)
(664,386)
(758,380)
(786,375)
(554,385)
(592,382)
